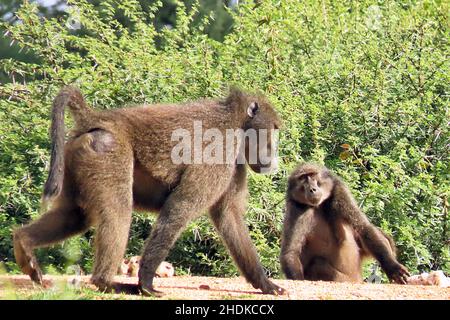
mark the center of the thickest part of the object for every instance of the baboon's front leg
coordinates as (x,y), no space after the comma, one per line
(380,248)
(228,217)
(163,236)
(295,228)
(189,199)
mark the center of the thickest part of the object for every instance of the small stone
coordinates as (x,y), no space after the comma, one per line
(204,287)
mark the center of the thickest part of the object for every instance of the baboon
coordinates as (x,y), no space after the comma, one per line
(130,267)
(325,234)
(117,160)
(165,270)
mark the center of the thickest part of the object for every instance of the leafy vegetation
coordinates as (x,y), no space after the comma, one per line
(361,86)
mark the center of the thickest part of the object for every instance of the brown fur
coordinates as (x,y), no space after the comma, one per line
(119,159)
(326,236)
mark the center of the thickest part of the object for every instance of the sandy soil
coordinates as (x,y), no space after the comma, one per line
(193,288)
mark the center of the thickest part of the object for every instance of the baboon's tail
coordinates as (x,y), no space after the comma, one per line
(71,97)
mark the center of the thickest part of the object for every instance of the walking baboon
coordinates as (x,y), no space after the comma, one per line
(117,160)
(326,236)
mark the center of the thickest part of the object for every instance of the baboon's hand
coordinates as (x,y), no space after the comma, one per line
(272,288)
(398,274)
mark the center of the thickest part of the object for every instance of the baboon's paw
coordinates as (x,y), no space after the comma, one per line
(151,292)
(27,262)
(35,272)
(272,288)
(399,274)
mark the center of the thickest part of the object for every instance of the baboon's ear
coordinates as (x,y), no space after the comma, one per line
(252,109)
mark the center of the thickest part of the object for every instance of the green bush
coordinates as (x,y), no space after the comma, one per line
(362,87)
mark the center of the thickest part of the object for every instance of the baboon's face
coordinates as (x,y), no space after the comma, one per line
(312,188)
(262,157)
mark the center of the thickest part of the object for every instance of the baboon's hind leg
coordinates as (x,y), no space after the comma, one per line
(111,237)
(109,200)
(54,226)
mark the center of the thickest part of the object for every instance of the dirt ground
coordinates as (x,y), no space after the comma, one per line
(205,288)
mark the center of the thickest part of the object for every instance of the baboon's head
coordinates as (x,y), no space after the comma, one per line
(260,127)
(310,184)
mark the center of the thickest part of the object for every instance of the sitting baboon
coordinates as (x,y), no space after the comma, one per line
(325,234)
(117,160)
